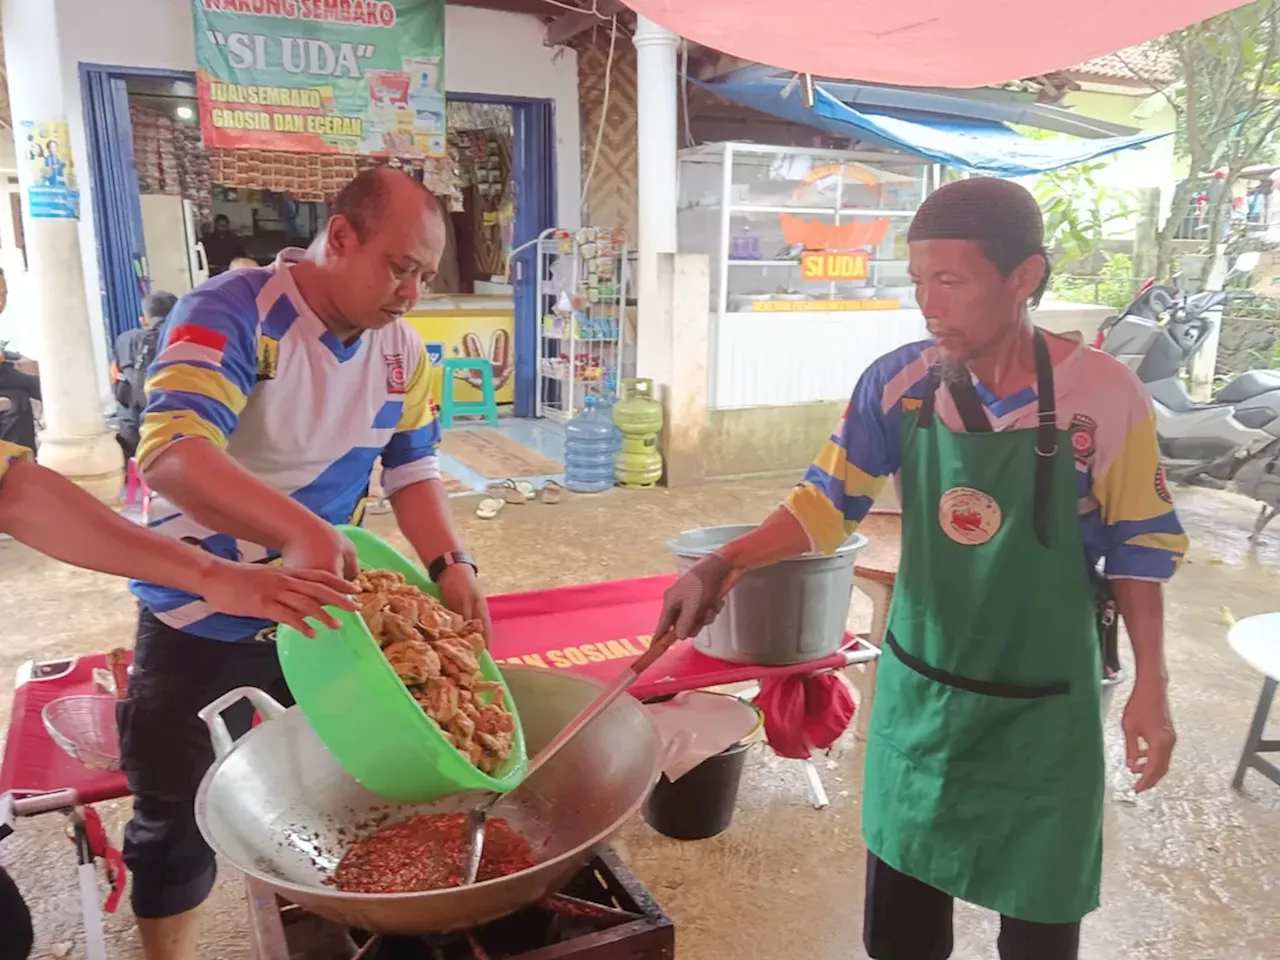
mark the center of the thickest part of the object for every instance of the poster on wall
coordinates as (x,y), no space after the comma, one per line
(471,334)
(322,76)
(50,174)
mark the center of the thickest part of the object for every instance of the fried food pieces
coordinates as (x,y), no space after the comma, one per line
(436,653)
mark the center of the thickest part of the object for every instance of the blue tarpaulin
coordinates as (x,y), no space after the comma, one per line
(983,146)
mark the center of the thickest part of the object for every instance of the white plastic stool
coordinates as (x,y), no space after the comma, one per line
(1257,641)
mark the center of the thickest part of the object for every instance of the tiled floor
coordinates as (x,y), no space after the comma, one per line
(543,436)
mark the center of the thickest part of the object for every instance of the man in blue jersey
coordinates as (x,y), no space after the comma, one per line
(275,392)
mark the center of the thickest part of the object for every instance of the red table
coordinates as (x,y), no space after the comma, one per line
(33,763)
(598,628)
(594,629)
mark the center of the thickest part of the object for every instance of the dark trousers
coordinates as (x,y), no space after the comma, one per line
(128,437)
(15,922)
(18,419)
(165,751)
(909,920)
(18,423)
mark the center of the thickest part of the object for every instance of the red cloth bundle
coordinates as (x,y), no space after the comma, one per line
(804,712)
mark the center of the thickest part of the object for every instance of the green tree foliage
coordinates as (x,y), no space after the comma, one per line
(1077,211)
(1228,105)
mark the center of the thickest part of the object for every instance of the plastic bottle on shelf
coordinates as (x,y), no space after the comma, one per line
(589,447)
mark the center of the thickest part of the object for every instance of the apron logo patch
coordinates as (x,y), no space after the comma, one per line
(1083,446)
(968,516)
(1162,485)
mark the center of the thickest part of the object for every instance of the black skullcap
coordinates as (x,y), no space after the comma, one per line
(1001,215)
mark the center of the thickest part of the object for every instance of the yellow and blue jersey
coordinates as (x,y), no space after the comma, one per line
(1127,519)
(11,453)
(246,365)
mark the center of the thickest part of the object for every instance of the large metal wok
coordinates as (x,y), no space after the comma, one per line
(278,806)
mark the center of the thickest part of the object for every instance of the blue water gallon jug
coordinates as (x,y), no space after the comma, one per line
(604,406)
(589,446)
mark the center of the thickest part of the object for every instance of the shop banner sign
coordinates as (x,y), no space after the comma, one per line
(834,266)
(322,76)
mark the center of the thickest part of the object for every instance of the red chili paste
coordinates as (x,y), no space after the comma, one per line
(427,852)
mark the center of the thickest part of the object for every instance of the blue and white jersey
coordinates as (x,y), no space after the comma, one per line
(1127,518)
(246,365)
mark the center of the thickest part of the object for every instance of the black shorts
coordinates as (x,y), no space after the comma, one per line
(165,751)
(15,922)
(909,920)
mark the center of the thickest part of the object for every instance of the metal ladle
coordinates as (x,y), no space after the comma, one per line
(477,815)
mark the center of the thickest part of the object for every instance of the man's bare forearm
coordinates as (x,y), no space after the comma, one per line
(206,484)
(426,519)
(1141,604)
(49,513)
(780,537)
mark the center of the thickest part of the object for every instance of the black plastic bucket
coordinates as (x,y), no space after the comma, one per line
(700,804)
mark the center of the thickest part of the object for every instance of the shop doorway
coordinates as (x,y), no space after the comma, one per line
(179,213)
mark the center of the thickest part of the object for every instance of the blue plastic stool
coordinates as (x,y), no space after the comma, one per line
(486,406)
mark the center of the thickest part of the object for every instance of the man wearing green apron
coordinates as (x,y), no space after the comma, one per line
(1024,461)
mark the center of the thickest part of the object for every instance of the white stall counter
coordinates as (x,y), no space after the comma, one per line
(783,359)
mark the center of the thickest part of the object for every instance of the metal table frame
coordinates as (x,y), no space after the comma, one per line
(1256,640)
(14,805)
(1255,744)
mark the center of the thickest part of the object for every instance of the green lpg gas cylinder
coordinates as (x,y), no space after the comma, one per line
(638,417)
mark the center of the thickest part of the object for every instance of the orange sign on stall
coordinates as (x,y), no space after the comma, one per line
(820,235)
(834,266)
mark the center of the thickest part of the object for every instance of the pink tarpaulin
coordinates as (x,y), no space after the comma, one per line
(924,43)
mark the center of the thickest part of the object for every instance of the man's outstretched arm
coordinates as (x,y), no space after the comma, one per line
(49,513)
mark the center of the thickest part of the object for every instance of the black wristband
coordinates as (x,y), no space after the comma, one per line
(446,560)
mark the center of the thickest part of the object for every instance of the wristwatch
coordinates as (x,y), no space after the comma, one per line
(446,560)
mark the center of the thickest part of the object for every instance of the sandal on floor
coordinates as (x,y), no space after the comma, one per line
(508,491)
(526,489)
(489,508)
(551,492)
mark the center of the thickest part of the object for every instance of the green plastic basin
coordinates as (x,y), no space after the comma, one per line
(364,714)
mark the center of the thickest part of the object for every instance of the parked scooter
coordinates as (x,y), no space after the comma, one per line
(1233,440)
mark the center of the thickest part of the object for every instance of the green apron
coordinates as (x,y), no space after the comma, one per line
(984,767)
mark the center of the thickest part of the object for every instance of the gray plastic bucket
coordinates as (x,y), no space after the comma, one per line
(790,612)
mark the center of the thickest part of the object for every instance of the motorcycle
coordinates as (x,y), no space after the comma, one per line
(1230,441)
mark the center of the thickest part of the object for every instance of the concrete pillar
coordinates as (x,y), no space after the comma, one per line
(684,291)
(76,441)
(656,126)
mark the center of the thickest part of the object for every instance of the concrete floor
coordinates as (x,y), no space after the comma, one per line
(1192,870)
